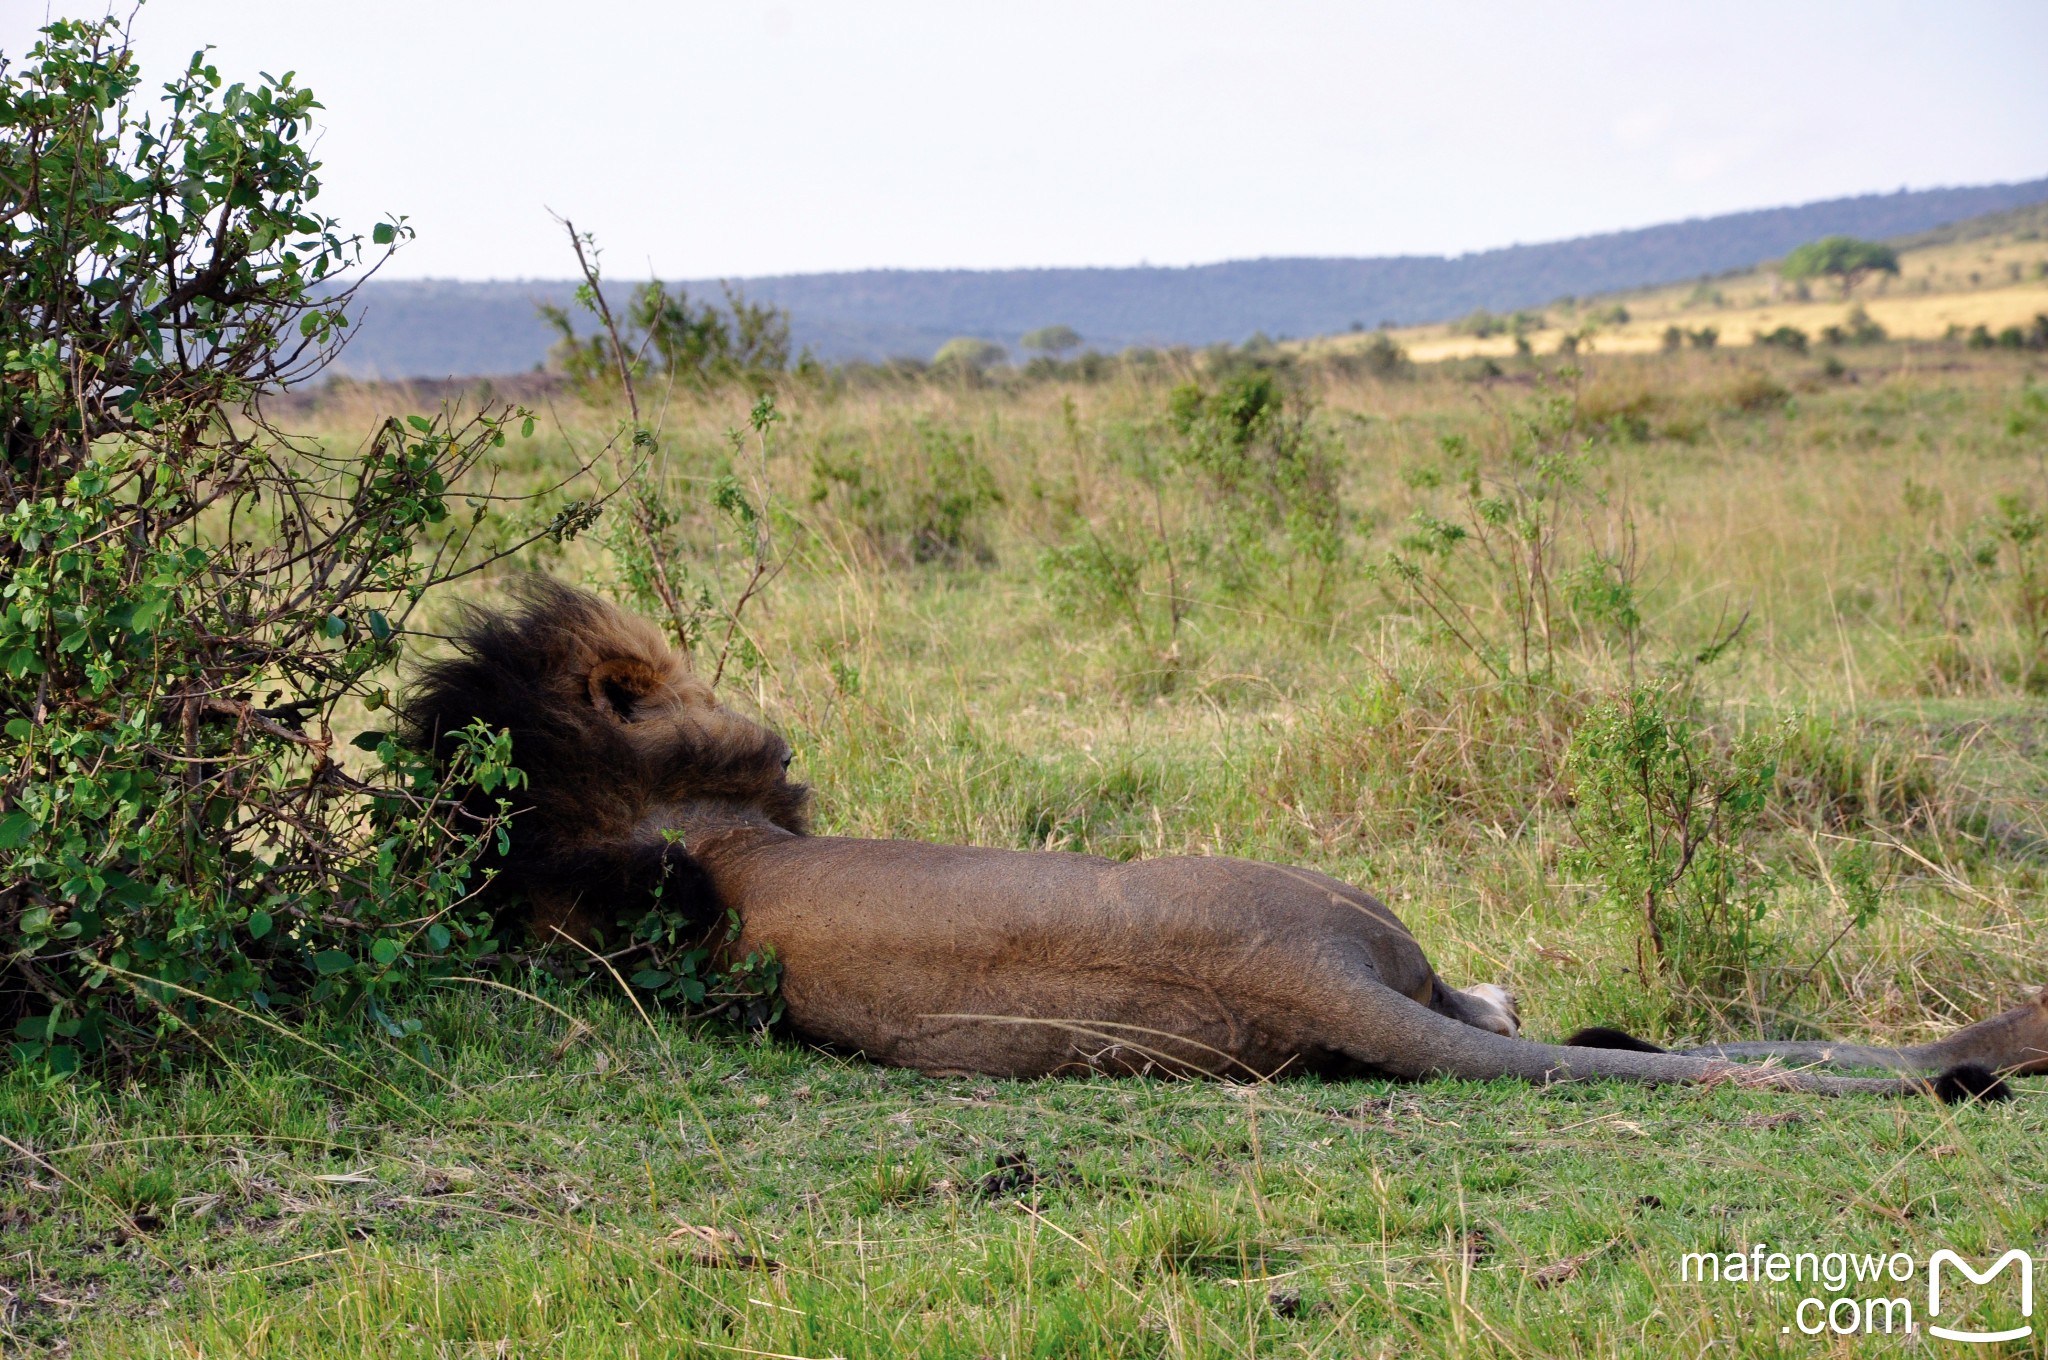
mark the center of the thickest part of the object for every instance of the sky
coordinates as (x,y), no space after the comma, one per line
(736,139)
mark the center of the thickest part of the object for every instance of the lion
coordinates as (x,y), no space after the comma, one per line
(963,959)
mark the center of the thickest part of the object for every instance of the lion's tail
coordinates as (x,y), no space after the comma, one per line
(2015,1043)
(1395,1035)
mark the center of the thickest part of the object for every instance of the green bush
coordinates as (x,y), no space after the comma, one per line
(1231,498)
(1784,337)
(665,335)
(968,354)
(1516,559)
(1383,357)
(189,601)
(1664,817)
(1856,329)
(1261,470)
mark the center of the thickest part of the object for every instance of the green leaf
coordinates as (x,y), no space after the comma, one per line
(368,741)
(420,423)
(35,921)
(383,234)
(437,937)
(15,829)
(380,627)
(259,924)
(526,428)
(334,625)
(329,961)
(652,978)
(385,952)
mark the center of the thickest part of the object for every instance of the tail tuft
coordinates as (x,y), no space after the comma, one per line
(1600,1036)
(1966,1082)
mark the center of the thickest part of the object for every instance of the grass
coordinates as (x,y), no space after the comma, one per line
(548,1172)
(614,1189)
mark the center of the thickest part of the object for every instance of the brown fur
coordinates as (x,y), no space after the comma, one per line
(618,741)
(960,959)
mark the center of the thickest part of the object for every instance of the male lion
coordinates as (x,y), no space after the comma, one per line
(955,959)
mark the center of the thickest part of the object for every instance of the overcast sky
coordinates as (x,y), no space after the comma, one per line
(736,138)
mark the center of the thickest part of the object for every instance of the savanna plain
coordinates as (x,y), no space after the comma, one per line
(1392,624)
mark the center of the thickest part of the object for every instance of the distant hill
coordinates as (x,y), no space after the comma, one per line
(2032,217)
(435,328)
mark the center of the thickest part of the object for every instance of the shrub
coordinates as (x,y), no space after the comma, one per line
(1664,817)
(1519,558)
(666,335)
(1784,337)
(702,342)
(1262,470)
(2032,336)
(1856,329)
(1383,356)
(1238,500)
(187,598)
(1678,337)
(968,354)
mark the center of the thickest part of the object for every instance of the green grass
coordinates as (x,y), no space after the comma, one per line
(623,1190)
(545,1173)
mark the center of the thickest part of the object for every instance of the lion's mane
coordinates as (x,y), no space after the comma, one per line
(610,728)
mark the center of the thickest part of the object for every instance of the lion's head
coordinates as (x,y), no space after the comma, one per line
(618,739)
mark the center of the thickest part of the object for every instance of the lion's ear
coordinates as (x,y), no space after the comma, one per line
(618,687)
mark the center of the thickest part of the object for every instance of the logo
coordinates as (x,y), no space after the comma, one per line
(1853,1290)
(2014,1257)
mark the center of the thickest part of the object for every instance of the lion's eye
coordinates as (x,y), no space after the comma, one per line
(787,756)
